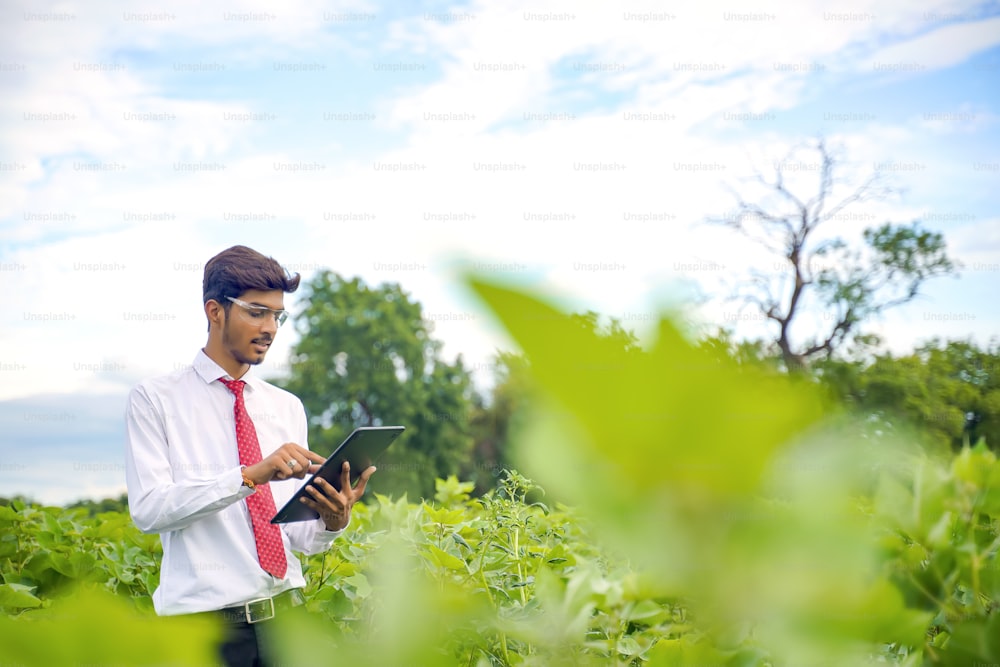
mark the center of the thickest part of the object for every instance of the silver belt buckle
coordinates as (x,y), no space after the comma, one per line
(259,610)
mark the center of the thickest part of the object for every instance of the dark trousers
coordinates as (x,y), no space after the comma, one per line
(242,643)
(240,647)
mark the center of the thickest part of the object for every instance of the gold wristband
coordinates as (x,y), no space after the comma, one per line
(247,482)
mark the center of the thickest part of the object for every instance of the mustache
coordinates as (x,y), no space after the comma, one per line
(266,339)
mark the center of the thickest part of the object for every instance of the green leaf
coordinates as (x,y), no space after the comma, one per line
(670,436)
(627,646)
(362,588)
(448,517)
(683,652)
(85,566)
(8,545)
(678,394)
(17,596)
(52,523)
(973,642)
(337,605)
(10,515)
(49,540)
(460,540)
(452,492)
(445,559)
(647,611)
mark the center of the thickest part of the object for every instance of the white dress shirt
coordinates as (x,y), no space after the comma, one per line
(184,482)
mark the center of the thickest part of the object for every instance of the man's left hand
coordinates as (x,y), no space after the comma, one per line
(334,506)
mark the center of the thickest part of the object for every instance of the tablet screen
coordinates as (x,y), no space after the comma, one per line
(360,449)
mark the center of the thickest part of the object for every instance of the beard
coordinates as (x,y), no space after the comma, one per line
(234,349)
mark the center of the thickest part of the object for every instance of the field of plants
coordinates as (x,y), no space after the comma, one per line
(682,510)
(501,581)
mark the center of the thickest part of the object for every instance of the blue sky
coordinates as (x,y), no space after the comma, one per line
(401,144)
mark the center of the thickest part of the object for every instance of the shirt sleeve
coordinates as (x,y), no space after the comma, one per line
(309,537)
(157,503)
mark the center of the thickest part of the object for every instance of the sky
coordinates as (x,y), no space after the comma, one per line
(581,149)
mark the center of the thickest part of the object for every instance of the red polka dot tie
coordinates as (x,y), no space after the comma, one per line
(270,550)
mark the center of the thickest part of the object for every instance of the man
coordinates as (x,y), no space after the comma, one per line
(211,450)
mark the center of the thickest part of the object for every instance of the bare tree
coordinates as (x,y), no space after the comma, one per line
(848,284)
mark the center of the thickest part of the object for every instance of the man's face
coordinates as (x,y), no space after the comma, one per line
(246,336)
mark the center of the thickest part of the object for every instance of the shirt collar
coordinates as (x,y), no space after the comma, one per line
(209,371)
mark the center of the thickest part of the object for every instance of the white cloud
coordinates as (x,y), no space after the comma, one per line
(943,47)
(551,217)
(976,243)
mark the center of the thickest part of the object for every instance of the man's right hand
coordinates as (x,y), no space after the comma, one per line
(288,461)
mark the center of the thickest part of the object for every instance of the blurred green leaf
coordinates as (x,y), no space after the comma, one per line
(92,627)
(669,437)
(646,611)
(672,452)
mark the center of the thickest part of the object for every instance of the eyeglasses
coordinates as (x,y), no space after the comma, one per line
(255,314)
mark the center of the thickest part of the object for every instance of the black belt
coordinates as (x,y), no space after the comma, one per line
(262,609)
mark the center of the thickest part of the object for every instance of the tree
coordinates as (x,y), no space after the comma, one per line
(93,507)
(845,283)
(494,417)
(950,390)
(366,358)
(722,343)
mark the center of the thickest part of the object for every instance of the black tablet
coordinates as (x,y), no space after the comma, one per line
(361,449)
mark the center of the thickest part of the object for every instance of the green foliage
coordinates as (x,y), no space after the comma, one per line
(46,551)
(940,533)
(669,452)
(901,258)
(494,580)
(932,390)
(75,589)
(366,357)
(698,510)
(908,255)
(493,419)
(498,580)
(92,507)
